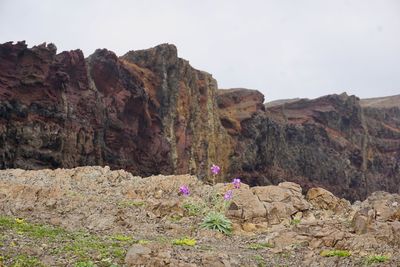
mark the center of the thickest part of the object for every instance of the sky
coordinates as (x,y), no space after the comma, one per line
(283,48)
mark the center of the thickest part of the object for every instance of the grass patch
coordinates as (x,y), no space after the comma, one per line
(335,253)
(184,242)
(82,246)
(143,241)
(84,264)
(218,222)
(121,238)
(193,209)
(260,261)
(25,261)
(32,230)
(377,259)
(175,218)
(295,221)
(257,246)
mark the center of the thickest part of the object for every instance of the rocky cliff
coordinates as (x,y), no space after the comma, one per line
(348,146)
(150,112)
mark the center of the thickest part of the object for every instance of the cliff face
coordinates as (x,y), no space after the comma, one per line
(333,142)
(48,110)
(187,110)
(148,112)
(237,105)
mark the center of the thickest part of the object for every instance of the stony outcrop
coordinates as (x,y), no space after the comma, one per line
(349,147)
(148,112)
(115,203)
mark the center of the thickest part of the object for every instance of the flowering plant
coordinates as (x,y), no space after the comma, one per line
(184,190)
(222,205)
(215,169)
(236,183)
(215,209)
(228,195)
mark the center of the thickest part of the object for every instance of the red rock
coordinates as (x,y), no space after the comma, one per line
(237,105)
(148,112)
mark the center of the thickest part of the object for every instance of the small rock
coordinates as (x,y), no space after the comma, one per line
(315,243)
(49,260)
(249,227)
(56,221)
(135,255)
(325,200)
(158,194)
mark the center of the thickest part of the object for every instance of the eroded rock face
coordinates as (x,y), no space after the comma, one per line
(148,112)
(48,111)
(237,105)
(334,142)
(187,109)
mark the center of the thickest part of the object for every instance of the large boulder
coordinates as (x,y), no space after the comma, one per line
(246,205)
(325,200)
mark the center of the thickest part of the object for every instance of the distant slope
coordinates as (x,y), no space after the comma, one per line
(375,102)
(381,102)
(280,102)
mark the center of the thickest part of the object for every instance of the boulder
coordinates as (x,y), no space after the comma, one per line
(246,205)
(137,255)
(362,220)
(386,206)
(278,212)
(325,200)
(282,202)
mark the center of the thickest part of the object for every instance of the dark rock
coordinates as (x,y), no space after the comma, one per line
(332,142)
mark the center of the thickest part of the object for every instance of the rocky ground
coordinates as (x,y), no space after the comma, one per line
(91,216)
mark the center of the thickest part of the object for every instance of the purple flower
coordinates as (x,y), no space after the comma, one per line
(184,190)
(228,195)
(236,183)
(215,169)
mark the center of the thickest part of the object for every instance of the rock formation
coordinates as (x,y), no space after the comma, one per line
(349,147)
(150,112)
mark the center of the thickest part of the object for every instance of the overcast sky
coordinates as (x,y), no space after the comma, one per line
(283,48)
